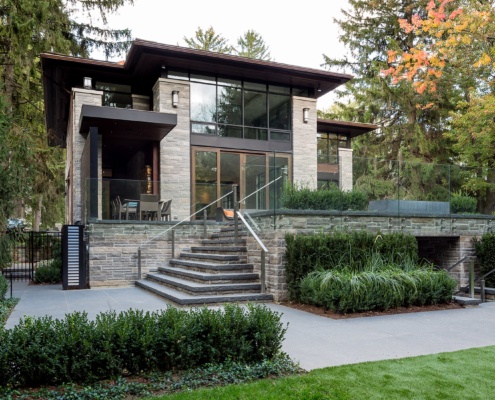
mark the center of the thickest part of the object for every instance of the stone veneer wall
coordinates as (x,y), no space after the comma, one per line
(175,151)
(304,150)
(113,248)
(75,146)
(345,169)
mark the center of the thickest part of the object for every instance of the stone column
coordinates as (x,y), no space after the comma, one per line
(345,169)
(175,148)
(75,146)
(304,162)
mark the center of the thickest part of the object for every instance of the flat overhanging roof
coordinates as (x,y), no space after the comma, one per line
(350,129)
(145,63)
(127,123)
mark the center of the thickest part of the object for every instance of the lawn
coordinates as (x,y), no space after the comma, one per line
(466,374)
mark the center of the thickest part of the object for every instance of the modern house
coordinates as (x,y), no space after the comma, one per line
(184,125)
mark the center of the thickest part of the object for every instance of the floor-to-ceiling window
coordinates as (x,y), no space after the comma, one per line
(259,179)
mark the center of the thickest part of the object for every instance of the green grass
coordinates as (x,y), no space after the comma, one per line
(466,374)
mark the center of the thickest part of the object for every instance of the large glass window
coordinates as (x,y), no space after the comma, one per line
(328,148)
(259,178)
(115,95)
(229,105)
(280,111)
(255,109)
(203,102)
(232,108)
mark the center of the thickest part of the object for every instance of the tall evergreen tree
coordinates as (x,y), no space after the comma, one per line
(252,45)
(408,129)
(208,40)
(30,27)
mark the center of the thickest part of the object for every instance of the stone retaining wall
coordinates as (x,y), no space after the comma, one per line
(114,246)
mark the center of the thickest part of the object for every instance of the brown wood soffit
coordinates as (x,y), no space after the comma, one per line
(126,123)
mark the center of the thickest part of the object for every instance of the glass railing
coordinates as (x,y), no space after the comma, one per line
(380,187)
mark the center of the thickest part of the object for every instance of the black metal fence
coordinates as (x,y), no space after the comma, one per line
(21,253)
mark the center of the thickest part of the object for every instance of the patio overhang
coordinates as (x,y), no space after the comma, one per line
(127,123)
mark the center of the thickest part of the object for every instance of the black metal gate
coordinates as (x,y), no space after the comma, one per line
(21,253)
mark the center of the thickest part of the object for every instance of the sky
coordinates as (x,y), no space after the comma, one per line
(297,33)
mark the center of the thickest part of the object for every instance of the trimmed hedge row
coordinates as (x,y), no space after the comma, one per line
(347,292)
(301,198)
(45,351)
(350,250)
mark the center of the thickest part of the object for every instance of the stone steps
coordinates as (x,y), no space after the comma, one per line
(185,299)
(215,272)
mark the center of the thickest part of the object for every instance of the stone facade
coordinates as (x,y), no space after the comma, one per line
(304,163)
(175,149)
(345,169)
(75,147)
(114,246)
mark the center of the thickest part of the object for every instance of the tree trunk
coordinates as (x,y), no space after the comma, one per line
(37,215)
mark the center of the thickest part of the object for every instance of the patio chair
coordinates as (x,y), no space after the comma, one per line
(149,206)
(166,210)
(128,208)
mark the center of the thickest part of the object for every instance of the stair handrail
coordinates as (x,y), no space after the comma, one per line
(261,188)
(264,250)
(185,219)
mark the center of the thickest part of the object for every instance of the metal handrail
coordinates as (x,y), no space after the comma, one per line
(264,250)
(184,220)
(252,232)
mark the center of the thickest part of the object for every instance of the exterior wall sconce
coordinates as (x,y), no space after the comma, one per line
(88,84)
(175,98)
(305,115)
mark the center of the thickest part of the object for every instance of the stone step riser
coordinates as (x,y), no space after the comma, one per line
(213,258)
(201,300)
(210,278)
(224,290)
(212,268)
(219,249)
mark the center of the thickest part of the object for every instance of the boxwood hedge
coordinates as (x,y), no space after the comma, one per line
(47,351)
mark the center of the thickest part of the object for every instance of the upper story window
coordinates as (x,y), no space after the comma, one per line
(241,109)
(328,147)
(115,95)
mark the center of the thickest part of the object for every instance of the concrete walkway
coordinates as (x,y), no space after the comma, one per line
(314,341)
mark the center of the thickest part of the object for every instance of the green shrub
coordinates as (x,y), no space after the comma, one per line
(45,351)
(49,271)
(4,285)
(485,254)
(463,204)
(347,292)
(5,251)
(344,250)
(301,198)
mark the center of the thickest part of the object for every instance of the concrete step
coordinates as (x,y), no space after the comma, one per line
(211,267)
(467,301)
(204,288)
(199,276)
(186,299)
(218,258)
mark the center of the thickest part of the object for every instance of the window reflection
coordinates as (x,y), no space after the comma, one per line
(203,102)
(229,105)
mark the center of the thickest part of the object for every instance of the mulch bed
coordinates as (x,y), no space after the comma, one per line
(401,310)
